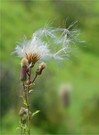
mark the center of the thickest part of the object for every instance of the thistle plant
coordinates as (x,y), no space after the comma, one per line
(45,43)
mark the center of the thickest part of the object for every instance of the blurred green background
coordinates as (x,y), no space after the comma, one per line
(19,18)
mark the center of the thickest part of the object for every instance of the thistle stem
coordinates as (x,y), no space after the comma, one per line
(34,78)
(26,88)
(21,127)
(28,107)
(28,101)
(25,94)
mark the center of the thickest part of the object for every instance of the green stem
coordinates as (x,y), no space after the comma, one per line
(25,94)
(34,78)
(28,101)
(21,127)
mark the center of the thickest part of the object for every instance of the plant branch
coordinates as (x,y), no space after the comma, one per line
(25,94)
(34,78)
(28,100)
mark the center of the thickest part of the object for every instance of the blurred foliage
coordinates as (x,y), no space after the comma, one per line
(91,110)
(90,114)
(19,18)
(87,14)
(6,87)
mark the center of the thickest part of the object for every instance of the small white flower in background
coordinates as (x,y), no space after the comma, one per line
(46,43)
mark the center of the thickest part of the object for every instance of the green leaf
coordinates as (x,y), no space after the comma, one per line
(24,101)
(34,113)
(25,127)
(30,91)
(31,85)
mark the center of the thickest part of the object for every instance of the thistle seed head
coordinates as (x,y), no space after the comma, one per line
(39,47)
(32,57)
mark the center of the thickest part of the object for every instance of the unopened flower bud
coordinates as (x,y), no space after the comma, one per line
(42,65)
(40,68)
(23,74)
(24,62)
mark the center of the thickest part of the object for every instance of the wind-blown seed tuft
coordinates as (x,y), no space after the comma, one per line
(46,43)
